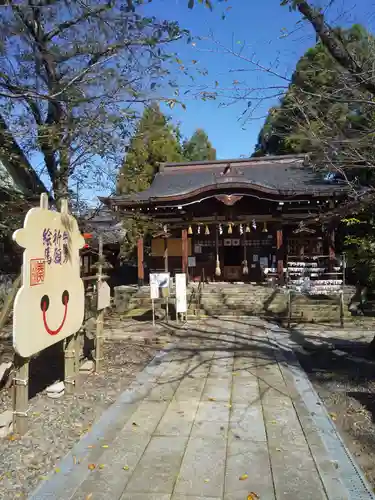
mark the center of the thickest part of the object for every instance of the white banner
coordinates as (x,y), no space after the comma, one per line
(181,301)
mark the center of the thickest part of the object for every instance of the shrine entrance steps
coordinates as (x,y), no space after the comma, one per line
(234,300)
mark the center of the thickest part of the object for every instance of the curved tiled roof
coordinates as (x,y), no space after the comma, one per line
(281,175)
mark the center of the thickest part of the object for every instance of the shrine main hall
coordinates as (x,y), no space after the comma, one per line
(234,220)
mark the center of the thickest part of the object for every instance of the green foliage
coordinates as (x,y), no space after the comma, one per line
(155,141)
(198,147)
(360,247)
(323,111)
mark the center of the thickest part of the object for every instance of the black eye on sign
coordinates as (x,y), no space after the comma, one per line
(44,303)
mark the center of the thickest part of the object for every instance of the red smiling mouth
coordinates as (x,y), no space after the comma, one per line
(44,305)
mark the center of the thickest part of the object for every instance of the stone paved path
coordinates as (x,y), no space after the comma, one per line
(225,414)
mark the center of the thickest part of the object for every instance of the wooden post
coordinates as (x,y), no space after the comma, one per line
(20,395)
(77,356)
(166,254)
(141,271)
(280,256)
(289,308)
(331,249)
(184,251)
(342,309)
(69,364)
(166,270)
(100,318)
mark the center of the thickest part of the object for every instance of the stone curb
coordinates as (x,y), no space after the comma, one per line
(349,473)
(73,468)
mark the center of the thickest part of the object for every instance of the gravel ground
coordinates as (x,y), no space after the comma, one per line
(343,374)
(55,425)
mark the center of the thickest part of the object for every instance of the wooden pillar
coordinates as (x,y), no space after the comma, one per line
(331,249)
(166,254)
(184,251)
(280,254)
(141,271)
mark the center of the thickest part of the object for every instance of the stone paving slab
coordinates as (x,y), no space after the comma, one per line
(213,425)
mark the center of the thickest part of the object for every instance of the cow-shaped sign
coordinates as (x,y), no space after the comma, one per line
(50,303)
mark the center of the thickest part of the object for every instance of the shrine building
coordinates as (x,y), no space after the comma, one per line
(235,220)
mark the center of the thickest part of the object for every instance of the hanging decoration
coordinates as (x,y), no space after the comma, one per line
(248,228)
(254,225)
(190,230)
(206,231)
(265,230)
(199,229)
(241,229)
(220,229)
(230,231)
(245,268)
(217,268)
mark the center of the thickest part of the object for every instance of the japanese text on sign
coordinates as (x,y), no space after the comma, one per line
(55,246)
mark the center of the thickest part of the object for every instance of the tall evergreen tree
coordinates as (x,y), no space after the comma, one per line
(321,103)
(198,147)
(155,141)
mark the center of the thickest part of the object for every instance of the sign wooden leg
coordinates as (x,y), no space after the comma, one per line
(289,308)
(341,309)
(69,365)
(98,342)
(153,312)
(77,356)
(21,395)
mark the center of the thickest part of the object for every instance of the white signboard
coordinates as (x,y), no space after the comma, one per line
(181,301)
(104,295)
(50,304)
(159,285)
(192,262)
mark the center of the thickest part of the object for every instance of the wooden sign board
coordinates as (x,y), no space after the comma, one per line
(104,295)
(50,304)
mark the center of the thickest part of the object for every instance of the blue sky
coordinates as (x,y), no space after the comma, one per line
(259,25)
(270,35)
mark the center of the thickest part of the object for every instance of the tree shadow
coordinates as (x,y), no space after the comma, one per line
(46,368)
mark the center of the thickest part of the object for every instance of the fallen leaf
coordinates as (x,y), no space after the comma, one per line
(42,478)
(333,416)
(253,496)
(91,466)
(243,477)
(74,460)
(89,496)
(126,467)
(211,399)
(101,466)
(206,480)
(234,374)
(278,449)
(105,446)
(57,470)
(90,446)
(135,424)
(273,422)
